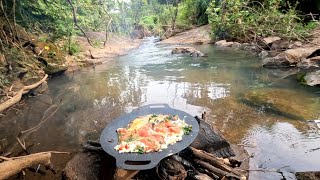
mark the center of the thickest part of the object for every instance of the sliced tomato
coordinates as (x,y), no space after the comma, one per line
(144,133)
(158,138)
(168,124)
(175,130)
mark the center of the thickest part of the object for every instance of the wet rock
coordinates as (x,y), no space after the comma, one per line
(267,42)
(219,43)
(236,45)
(280,45)
(263,54)
(270,40)
(187,50)
(308,175)
(249,47)
(224,43)
(286,103)
(284,73)
(291,57)
(311,62)
(313,78)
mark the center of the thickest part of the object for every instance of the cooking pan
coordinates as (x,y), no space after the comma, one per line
(136,161)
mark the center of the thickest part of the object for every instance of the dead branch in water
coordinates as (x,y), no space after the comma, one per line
(24,134)
(43,119)
(15,99)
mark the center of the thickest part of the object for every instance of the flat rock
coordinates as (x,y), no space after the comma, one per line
(270,40)
(219,43)
(224,43)
(313,78)
(290,57)
(282,102)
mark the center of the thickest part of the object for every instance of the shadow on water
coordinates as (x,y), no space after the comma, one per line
(216,84)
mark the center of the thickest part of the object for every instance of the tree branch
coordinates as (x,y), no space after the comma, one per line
(75,20)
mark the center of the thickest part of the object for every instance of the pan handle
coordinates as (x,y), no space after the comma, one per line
(151,106)
(136,165)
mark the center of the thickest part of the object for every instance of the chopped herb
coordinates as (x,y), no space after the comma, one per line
(129,139)
(187,129)
(140,149)
(154,116)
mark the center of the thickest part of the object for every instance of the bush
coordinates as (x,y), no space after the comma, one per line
(193,12)
(73,48)
(244,21)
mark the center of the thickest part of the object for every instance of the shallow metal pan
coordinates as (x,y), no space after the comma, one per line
(136,161)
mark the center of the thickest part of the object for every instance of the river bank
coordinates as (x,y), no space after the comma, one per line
(101,52)
(293,57)
(32,58)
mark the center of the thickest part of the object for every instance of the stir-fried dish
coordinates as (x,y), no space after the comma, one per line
(151,133)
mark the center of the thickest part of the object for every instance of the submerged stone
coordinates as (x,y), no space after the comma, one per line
(313,78)
(187,50)
(282,102)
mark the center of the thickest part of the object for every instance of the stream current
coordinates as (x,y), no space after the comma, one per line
(218,84)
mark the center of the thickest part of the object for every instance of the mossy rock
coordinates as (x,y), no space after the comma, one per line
(287,103)
(52,58)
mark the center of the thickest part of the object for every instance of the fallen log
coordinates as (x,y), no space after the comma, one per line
(14,165)
(217,162)
(15,99)
(217,171)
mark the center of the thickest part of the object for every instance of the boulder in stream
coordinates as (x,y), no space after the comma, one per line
(311,62)
(187,50)
(291,57)
(312,78)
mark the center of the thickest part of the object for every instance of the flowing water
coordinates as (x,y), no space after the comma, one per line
(219,84)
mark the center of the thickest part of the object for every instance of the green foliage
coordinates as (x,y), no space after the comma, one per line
(193,12)
(149,21)
(244,21)
(71,48)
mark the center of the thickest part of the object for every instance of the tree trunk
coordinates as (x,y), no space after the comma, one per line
(75,20)
(175,15)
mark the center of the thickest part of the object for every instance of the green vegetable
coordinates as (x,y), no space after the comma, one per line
(154,116)
(129,139)
(140,149)
(187,129)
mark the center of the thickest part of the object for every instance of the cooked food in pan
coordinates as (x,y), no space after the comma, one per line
(151,133)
